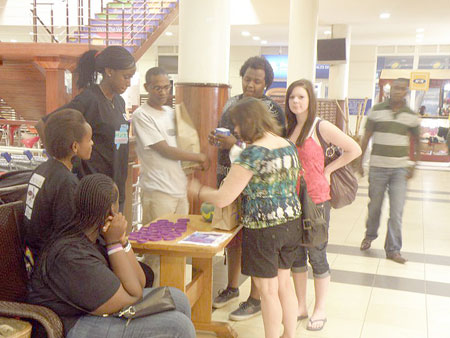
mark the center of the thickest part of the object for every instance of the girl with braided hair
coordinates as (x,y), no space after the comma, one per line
(77,282)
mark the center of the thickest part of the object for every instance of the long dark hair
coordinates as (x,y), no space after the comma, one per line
(312,106)
(93,62)
(94,197)
(253,118)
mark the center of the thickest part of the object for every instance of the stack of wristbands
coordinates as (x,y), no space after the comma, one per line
(162,229)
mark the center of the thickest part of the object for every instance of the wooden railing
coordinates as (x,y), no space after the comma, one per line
(133,22)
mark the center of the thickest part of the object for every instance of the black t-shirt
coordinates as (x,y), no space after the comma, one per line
(77,272)
(49,203)
(110,132)
(223,163)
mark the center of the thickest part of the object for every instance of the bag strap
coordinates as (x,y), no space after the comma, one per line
(323,144)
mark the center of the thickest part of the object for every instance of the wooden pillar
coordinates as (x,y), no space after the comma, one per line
(55,88)
(204,102)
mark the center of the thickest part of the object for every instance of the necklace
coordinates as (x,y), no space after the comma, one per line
(111,101)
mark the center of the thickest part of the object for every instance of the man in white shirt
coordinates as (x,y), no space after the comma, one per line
(162,180)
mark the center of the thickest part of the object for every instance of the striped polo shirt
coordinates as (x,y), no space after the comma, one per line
(391,131)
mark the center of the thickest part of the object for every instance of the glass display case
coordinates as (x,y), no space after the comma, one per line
(433,132)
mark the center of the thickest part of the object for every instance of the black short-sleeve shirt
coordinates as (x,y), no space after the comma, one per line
(110,131)
(49,203)
(223,163)
(77,272)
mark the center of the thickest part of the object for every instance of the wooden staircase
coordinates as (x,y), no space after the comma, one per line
(33,73)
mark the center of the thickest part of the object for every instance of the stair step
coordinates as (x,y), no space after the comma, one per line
(117,29)
(157,10)
(117,22)
(99,41)
(111,35)
(127,16)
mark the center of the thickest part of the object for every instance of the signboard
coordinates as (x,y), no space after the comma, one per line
(279,65)
(354,104)
(419,81)
(434,62)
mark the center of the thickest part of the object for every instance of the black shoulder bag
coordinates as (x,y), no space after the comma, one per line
(156,301)
(344,184)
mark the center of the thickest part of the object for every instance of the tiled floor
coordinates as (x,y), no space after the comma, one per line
(370,296)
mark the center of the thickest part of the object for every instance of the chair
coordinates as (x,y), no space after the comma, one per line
(13,275)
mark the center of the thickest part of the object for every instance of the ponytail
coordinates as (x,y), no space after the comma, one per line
(93,62)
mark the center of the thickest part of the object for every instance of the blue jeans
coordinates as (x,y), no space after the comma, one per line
(170,324)
(317,255)
(394,180)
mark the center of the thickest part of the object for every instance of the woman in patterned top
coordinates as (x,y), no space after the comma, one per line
(266,173)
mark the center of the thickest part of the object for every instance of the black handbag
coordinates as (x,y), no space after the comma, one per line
(343,185)
(313,223)
(156,301)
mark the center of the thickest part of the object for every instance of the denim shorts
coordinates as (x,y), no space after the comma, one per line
(317,255)
(264,251)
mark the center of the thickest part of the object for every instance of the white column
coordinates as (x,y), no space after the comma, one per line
(303,20)
(204,41)
(338,80)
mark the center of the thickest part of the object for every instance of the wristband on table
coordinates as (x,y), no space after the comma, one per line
(127,247)
(115,248)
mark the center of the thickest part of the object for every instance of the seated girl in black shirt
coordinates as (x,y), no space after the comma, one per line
(73,275)
(49,203)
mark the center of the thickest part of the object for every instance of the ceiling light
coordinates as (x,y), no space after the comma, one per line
(420,30)
(169,33)
(419,36)
(245,33)
(385,15)
(327,32)
(13,40)
(31,33)
(256,38)
(264,42)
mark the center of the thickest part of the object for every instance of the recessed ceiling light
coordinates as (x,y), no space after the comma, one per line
(256,38)
(31,33)
(419,36)
(13,40)
(169,33)
(420,30)
(385,15)
(264,42)
(327,32)
(245,33)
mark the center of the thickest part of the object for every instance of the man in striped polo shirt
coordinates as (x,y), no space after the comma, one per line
(391,125)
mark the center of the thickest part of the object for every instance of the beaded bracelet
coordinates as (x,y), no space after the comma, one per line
(113,249)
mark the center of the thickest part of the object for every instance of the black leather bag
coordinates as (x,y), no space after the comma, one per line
(313,223)
(344,184)
(156,301)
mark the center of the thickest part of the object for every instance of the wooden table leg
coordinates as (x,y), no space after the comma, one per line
(202,309)
(173,272)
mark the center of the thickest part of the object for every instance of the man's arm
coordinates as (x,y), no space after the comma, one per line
(174,153)
(364,143)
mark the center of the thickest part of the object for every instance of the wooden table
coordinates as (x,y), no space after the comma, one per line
(173,271)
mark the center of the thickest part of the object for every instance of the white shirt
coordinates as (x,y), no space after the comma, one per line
(157,173)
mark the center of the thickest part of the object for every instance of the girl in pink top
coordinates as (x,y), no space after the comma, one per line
(301,129)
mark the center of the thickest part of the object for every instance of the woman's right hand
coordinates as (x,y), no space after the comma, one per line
(114,228)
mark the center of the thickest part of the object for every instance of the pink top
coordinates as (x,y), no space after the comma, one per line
(313,163)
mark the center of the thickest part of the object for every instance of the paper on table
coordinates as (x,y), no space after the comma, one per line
(205,238)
